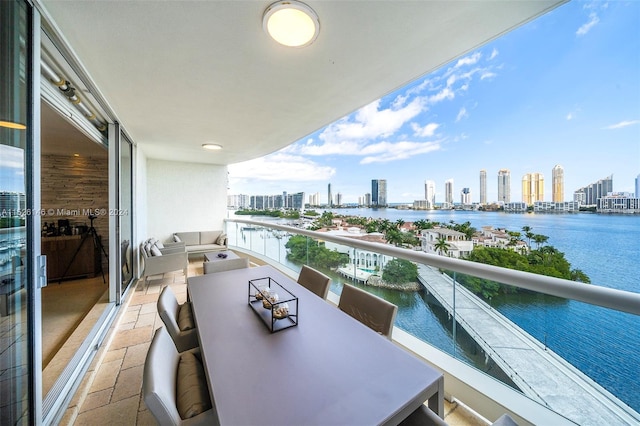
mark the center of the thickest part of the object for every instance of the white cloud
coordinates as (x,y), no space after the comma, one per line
(468,60)
(487,74)
(585,28)
(369,123)
(445,93)
(621,124)
(570,116)
(494,53)
(11,157)
(279,167)
(462,114)
(426,131)
(385,152)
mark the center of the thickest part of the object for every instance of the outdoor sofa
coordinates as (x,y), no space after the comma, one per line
(197,242)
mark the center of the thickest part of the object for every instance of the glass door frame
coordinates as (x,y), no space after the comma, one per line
(117,211)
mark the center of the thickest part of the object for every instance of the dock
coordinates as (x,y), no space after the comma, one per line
(359,275)
(540,373)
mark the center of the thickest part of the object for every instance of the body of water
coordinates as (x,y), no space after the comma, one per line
(602,343)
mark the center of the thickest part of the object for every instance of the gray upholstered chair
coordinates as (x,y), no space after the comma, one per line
(165,260)
(315,281)
(178,319)
(225,265)
(371,310)
(423,416)
(174,385)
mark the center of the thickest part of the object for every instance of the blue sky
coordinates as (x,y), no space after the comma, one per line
(563,89)
(11,169)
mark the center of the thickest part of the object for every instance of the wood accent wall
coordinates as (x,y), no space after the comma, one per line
(73,186)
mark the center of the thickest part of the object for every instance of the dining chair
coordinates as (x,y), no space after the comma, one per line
(174,385)
(371,310)
(178,319)
(423,416)
(225,265)
(315,281)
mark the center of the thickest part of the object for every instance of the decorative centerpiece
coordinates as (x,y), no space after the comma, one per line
(274,304)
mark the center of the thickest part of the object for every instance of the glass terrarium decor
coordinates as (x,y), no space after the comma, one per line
(274,304)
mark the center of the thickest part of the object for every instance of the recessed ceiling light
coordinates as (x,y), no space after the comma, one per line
(212,146)
(76,155)
(291,23)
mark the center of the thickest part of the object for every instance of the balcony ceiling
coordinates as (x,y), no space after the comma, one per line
(178,74)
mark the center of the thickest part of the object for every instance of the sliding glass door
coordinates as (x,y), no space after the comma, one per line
(19,221)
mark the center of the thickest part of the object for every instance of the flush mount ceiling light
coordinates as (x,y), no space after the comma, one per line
(291,23)
(212,146)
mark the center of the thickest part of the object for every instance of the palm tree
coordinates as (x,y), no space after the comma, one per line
(515,237)
(399,223)
(384,225)
(441,245)
(528,233)
(547,253)
(371,226)
(422,224)
(393,236)
(539,239)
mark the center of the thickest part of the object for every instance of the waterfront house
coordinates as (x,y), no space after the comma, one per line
(457,244)
(132,111)
(500,238)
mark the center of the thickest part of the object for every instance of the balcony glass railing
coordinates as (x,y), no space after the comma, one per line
(571,347)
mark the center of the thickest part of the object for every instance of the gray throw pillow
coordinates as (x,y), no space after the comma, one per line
(155,251)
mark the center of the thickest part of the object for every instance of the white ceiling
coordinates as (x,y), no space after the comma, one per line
(178,74)
(60,137)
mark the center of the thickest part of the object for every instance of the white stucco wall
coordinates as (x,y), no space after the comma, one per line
(184,197)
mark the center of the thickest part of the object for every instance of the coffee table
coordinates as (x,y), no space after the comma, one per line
(213,256)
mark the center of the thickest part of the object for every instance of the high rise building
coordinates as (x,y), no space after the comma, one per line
(338,199)
(638,186)
(314,199)
(296,201)
(430,193)
(532,188)
(448,192)
(589,195)
(483,186)
(504,186)
(557,184)
(465,196)
(329,196)
(378,192)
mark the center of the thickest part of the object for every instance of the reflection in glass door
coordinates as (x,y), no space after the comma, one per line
(126,210)
(16,332)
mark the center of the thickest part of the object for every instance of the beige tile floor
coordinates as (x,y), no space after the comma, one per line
(110,393)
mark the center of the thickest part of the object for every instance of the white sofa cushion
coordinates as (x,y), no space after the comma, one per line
(155,251)
(209,237)
(189,238)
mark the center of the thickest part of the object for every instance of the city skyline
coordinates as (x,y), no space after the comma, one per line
(518,103)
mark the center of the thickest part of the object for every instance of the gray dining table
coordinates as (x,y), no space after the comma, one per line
(329,369)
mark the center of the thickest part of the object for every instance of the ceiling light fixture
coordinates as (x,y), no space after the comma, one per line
(212,146)
(291,23)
